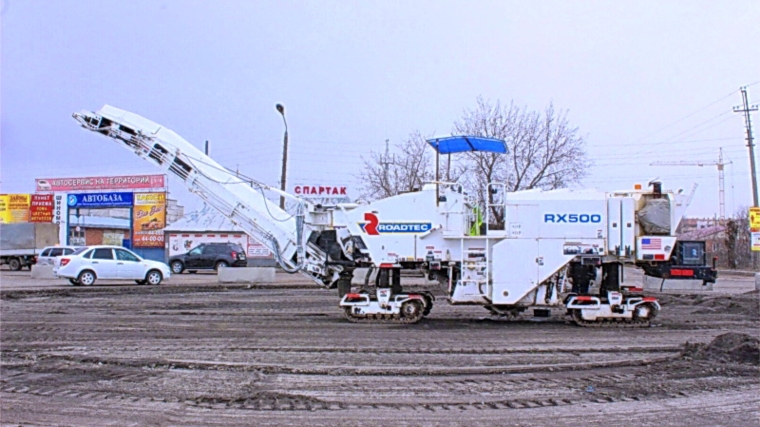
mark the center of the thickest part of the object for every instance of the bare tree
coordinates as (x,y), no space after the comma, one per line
(409,167)
(545,151)
(738,245)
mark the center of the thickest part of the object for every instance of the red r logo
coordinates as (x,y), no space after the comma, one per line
(372,221)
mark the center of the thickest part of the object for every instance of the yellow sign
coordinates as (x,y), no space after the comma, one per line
(754,219)
(5,213)
(14,208)
(149,220)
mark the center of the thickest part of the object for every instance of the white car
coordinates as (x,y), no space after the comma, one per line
(48,255)
(92,263)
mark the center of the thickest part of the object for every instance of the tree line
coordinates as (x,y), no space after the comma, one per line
(545,151)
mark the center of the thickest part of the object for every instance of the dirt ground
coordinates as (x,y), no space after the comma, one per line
(191,352)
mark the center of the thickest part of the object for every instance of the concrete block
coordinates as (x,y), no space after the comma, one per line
(654,284)
(246,275)
(42,272)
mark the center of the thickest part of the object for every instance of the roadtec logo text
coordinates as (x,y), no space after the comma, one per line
(374,227)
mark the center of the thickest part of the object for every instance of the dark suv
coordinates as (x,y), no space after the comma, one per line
(209,256)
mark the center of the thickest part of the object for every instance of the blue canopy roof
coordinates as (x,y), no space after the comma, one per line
(459,144)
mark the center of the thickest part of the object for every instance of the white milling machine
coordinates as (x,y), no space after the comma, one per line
(550,239)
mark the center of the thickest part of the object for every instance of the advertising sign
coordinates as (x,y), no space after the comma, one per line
(5,213)
(755,241)
(258,250)
(60,215)
(120,182)
(100,200)
(754,219)
(149,220)
(41,208)
(320,190)
(14,208)
(325,194)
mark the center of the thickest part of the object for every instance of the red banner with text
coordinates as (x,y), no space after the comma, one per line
(41,208)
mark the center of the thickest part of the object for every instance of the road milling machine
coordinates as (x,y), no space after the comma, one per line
(551,247)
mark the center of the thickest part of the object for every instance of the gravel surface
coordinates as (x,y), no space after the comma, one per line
(193,352)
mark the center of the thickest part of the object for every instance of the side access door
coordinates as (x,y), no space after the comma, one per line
(104,263)
(128,266)
(193,258)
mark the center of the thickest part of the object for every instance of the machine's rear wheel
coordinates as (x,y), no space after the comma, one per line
(578,317)
(412,310)
(428,305)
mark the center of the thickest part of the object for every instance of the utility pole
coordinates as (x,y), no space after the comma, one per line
(746,109)
(721,182)
(281,109)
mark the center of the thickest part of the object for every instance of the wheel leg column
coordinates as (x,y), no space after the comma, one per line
(396,281)
(344,283)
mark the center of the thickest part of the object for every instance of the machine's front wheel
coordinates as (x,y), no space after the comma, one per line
(644,312)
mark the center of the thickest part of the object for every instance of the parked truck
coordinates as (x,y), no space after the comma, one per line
(20,243)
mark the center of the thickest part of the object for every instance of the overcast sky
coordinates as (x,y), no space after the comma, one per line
(643,80)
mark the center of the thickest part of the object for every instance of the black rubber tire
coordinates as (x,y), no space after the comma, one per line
(87,276)
(14,264)
(74,282)
(221,264)
(154,278)
(177,267)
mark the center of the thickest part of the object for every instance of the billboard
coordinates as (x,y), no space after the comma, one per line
(337,191)
(754,219)
(325,194)
(14,208)
(100,200)
(119,182)
(4,211)
(41,208)
(149,220)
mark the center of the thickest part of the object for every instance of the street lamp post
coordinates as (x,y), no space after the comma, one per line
(281,109)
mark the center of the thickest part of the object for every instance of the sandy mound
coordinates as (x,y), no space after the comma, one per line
(729,347)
